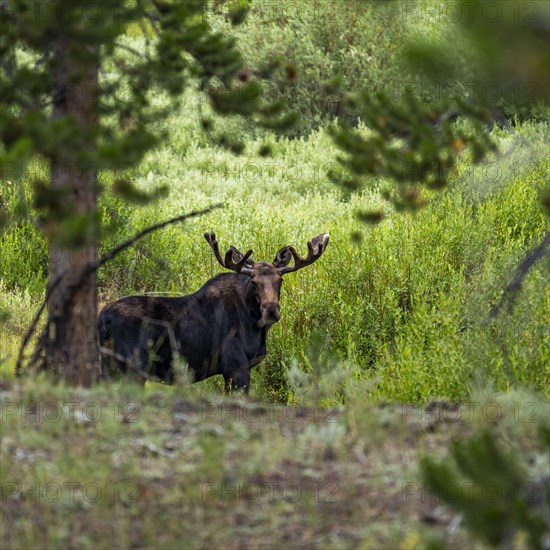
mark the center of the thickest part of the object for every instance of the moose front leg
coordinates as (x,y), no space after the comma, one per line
(236,373)
(239,380)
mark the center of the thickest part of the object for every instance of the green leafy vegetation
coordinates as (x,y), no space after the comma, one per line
(407,306)
(387,383)
(519,504)
(331,48)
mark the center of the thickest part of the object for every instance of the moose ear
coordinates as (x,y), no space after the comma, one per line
(282,257)
(237,256)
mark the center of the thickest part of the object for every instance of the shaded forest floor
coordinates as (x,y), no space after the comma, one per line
(118,466)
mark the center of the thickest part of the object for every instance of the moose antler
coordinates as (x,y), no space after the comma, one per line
(234,259)
(316,247)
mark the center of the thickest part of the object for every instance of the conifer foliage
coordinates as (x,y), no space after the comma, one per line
(489,63)
(492,489)
(61,104)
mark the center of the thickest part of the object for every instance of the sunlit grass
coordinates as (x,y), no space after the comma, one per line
(407,306)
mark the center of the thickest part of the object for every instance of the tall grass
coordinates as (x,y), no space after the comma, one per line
(407,306)
(401,307)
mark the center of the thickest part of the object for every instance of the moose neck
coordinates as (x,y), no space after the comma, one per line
(252,305)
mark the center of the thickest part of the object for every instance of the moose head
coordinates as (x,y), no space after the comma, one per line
(266,278)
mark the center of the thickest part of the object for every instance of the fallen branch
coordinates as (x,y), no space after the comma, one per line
(94,266)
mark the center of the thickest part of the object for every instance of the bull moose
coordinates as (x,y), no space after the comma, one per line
(220,329)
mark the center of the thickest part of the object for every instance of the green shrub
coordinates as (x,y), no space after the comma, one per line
(404,305)
(357,40)
(491,487)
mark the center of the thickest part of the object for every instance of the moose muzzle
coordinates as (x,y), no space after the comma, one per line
(271,314)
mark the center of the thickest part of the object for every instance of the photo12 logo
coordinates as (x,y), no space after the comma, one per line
(470,411)
(471,12)
(266,417)
(466,491)
(69,491)
(80,413)
(269,491)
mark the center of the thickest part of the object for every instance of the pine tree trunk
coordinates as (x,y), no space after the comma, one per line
(72,350)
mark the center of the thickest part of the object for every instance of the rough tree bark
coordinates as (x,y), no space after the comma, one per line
(72,350)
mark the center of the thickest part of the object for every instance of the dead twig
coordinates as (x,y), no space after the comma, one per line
(511,291)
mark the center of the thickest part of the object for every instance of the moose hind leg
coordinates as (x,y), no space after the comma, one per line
(113,364)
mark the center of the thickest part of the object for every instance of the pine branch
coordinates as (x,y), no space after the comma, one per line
(131,50)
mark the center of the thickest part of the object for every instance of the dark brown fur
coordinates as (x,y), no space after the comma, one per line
(220,329)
